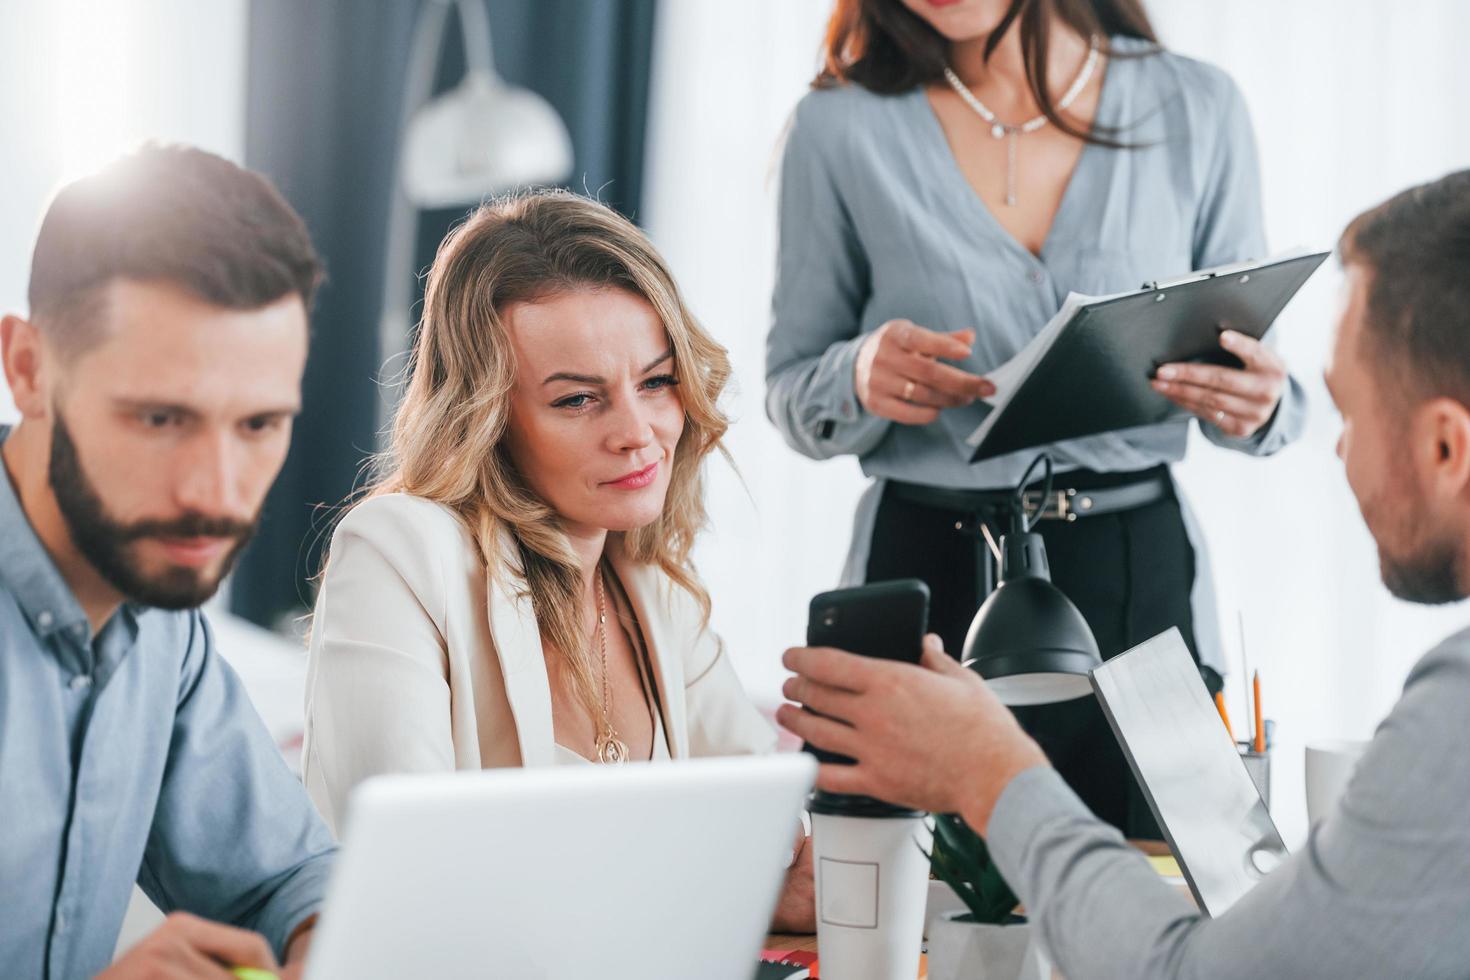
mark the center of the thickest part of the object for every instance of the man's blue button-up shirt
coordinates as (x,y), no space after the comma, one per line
(132,755)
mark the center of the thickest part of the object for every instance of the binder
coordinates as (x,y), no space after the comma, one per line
(1090,368)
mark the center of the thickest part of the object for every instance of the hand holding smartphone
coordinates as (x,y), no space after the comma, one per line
(886,620)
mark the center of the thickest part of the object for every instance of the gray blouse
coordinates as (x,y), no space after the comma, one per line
(878,222)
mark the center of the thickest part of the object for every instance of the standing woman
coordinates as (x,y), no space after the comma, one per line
(958,168)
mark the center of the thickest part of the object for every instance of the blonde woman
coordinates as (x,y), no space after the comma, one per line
(517,589)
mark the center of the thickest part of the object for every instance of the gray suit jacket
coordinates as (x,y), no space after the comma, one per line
(1381,889)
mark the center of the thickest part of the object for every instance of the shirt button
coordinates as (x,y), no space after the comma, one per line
(80,682)
(44,620)
(1035,277)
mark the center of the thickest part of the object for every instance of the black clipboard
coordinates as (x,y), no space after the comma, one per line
(1094,376)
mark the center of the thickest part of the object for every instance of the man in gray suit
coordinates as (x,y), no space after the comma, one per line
(1382,887)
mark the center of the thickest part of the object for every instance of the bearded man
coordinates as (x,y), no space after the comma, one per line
(157,377)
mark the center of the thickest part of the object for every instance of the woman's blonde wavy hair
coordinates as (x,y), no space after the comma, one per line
(448,434)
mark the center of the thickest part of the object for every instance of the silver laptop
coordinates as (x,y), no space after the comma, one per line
(643,871)
(1202,796)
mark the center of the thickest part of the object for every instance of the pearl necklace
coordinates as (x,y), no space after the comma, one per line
(1002,130)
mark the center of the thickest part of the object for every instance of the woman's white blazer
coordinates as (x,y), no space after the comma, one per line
(420,662)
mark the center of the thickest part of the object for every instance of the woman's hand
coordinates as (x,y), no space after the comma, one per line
(796,910)
(1238,403)
(898,374)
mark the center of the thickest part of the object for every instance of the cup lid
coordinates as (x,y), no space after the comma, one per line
(848,805)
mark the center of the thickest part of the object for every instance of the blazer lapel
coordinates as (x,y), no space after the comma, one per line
(517,637)
(643,585)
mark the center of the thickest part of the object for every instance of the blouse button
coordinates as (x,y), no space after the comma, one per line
(1035,277)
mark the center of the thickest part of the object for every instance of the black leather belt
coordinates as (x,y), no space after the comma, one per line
(1067,504)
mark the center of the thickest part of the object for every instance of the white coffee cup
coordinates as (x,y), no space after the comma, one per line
(872,877)
(1330,765)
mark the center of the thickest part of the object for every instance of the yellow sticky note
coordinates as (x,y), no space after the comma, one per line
(1166,865)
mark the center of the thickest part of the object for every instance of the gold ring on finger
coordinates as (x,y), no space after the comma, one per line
(908,391)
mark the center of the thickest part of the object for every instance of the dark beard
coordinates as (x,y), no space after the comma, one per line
(105,542)
(1430,577)
(1427,571)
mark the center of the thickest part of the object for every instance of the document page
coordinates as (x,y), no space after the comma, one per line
(1008,377)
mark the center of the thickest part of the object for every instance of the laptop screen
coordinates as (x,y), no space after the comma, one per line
(1190,770)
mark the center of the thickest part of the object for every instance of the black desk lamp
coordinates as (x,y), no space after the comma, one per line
(1028,641)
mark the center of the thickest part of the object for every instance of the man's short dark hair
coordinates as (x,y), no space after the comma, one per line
(174,214)
(1416,248)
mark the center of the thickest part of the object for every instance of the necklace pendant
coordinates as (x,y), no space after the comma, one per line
(610,749)
(1000,130)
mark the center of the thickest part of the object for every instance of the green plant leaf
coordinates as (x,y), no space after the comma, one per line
(961,860)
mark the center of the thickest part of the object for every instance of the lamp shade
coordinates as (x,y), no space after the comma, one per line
(1028,641)
(482,138)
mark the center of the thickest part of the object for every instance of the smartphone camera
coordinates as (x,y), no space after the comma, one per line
(829,617)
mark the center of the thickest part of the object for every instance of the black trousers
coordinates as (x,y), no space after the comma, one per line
(1130,575)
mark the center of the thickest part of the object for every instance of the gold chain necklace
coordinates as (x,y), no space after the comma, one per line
(610,748)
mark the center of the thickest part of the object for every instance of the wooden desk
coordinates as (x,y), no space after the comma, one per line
(803,944)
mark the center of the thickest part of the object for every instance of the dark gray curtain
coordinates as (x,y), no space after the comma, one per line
(324,93)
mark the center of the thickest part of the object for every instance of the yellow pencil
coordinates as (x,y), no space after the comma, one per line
(1224,715)
(1258,740)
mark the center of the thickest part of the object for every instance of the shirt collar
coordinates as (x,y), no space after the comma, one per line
(26,569)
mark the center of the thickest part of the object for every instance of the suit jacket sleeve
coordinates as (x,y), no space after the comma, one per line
(377,692)
(1381,889)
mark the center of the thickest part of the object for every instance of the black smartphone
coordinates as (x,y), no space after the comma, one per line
(886,620)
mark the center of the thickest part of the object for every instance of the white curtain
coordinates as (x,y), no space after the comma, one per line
(1352,101)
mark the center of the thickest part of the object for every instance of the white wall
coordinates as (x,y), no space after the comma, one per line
(1350,105)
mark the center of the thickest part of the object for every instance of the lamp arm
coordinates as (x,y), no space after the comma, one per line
(393,308)
(474,23)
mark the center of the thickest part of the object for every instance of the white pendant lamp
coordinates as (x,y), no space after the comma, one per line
(481,138)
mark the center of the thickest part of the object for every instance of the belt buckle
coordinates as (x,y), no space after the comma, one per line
(1056,507)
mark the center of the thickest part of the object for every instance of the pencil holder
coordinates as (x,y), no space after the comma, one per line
(1258,764)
